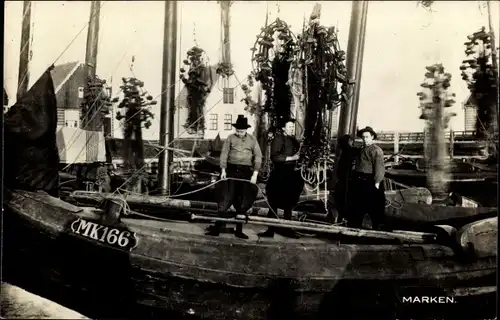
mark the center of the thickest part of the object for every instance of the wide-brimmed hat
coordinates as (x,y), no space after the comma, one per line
(241,122)
(367,129)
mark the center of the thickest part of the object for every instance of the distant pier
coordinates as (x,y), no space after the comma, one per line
(16,303)
(461,144)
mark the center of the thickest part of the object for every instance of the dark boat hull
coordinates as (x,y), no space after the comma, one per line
(176,269)
(478,186)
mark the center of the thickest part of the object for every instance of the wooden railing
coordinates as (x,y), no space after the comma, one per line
(420,136)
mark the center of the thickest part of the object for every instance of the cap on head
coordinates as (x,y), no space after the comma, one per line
(367,129)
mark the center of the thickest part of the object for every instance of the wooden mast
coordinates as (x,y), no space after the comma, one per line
(225,17)
(359,67)
(355,47)
(24,51)
(168,95)
(494,63)
(493,39)
(93,120)
(91,62)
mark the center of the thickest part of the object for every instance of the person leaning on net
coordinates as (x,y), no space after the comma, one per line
(240,162)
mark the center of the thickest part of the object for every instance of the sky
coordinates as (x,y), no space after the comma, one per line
(402,38)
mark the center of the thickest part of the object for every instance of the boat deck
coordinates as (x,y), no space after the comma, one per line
(199,229)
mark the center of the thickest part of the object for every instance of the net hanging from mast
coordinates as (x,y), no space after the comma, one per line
(304,78)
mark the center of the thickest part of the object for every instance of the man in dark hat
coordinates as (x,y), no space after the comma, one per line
(241,159)
(368,188)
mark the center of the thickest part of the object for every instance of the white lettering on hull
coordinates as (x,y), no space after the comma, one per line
(104,234)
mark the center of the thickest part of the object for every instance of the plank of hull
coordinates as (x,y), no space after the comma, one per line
(410,195)
(455,176)
(174,266)
(414,213)
(479,237)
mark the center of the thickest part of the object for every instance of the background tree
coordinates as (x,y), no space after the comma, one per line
(480,73)
(137,115)
(434,99)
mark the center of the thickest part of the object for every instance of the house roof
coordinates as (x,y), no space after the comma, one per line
(62,72)
(5,97)
(470,101)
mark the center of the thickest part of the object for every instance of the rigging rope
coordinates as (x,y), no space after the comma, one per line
(79,32)
(143,167)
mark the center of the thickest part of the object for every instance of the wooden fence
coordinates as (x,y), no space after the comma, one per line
(420,136)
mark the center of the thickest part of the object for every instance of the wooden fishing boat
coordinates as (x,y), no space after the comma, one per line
(122,263)
(147,264)
(480,187)
(410,208)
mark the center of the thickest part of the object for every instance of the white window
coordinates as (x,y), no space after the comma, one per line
(228,121)
(228,96)
(213,121)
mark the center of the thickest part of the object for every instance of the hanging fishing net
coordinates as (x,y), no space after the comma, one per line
(480,72)
(198,83)
(324,86)
(303,78)
(135,103)
(273,53)
(434,99)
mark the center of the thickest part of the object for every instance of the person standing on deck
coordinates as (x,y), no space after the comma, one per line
(368,189)
(285,182)
(241,159)
(103,179)
(337,197)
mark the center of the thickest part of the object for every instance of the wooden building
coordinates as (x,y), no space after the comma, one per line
(69,83)
(470,113)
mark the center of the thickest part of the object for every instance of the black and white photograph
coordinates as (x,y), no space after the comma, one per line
(250,160)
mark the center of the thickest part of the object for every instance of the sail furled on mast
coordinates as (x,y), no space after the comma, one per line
(31,154)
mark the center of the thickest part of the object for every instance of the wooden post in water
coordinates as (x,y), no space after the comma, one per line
(452,143)
(396,146)
(24,51)
(167,119)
